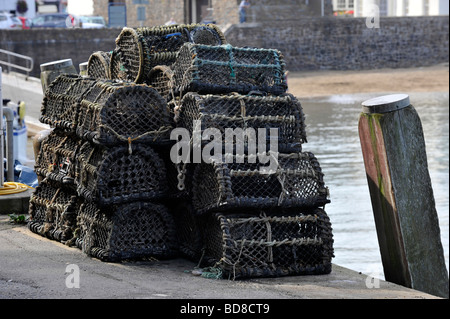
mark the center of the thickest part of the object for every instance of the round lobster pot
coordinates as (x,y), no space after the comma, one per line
(120,113)
(161,78)
(288,243)
(115,175)
(53,211)
(242,112)
(129,231)
(138,50)
(225,69)
(60,106)
(286,180)
(56,158)
(99,65)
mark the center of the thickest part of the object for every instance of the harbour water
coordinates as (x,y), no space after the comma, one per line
(332,130)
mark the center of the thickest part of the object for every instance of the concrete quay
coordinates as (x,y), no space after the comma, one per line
(34,267)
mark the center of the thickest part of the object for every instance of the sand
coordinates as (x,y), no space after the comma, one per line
(323,83)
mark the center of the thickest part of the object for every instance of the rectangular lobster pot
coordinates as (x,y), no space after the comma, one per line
(242,112)
(286,180)
(225,69)
(129,231)
(53,211)
(288,243)
(56,158)
(60,105)
(99,65)
(138,50)
(120,113)
(121,174)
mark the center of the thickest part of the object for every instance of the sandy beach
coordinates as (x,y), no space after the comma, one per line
(323,83)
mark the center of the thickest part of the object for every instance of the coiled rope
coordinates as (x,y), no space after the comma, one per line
(13,188)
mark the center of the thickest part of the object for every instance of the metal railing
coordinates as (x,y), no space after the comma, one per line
(29,62)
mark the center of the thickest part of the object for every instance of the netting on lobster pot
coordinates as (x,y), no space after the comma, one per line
(275,180)
(287,243)
(138,50)
(246,119)
(60,106)
(121,174)
(225,69)
(118,113)
(161,78)
(56,158)
(53,211)
(129,231)
(99,65)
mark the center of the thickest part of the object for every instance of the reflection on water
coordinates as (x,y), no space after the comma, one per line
(332,130)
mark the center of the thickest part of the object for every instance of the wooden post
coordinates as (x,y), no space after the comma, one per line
(402,197)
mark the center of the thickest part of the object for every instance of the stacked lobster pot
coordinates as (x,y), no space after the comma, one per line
(257,201)
(102,177)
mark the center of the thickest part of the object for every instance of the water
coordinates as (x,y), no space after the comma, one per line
(332,130)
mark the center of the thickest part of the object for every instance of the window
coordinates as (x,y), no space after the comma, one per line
(383,8)
(426,7)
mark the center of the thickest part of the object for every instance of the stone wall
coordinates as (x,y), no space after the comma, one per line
(307,44)
(344,44)
(46,45)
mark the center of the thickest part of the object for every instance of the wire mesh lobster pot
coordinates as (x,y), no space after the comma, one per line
(115,175)
(53,211)
(99,65)
(279,180)
(288,243)
(247,116)
(60,106)
(129,231)
(161,78)
(138,50)
(225,69)
(56,158)
(115,113)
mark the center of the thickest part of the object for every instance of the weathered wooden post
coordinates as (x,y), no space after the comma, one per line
(402,197)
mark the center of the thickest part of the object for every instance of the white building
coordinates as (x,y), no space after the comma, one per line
(364,8)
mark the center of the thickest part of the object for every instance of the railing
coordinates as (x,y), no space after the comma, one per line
(29,62)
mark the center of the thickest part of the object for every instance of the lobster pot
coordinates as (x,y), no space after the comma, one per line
(121,113)
(244,246)
(60,106)
(99,65)
(129,231)
(161,78)
(53,211)
(56,158)
(138,50)
(225,69)
(285,180)
(118,175)
(189,233)
(257,114)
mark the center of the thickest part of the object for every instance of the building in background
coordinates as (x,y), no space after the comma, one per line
(157,12)
(363,8)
